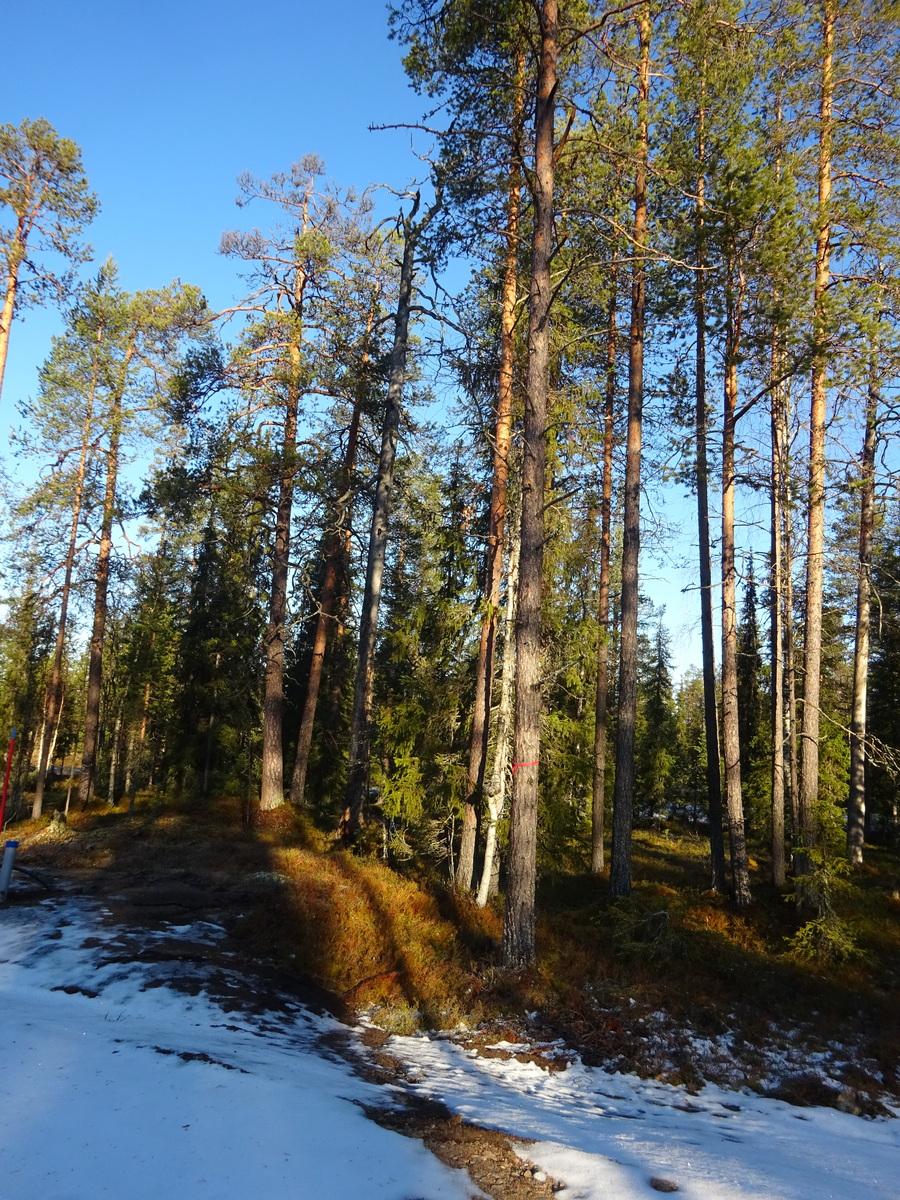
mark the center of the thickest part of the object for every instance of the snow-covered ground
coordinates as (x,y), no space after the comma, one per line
(606,1136)
(98,1105)
(127,1080)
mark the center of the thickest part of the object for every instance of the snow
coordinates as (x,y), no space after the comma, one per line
(135,1082)
(607,1135)
(99,1105)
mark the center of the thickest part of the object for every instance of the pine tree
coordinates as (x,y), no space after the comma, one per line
(43,185)
(623,799)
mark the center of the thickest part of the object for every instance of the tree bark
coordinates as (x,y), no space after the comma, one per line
(777,639)
(9,308)
(101,590)
(272,776)
(54,689)
(598,799)
(623,798)
(812,641)
(496,793)
(518,946)
(710,700)
(791,723)
(856,804)
(328,595)
(484,675)
(114,758)
(730,735)
(358,759)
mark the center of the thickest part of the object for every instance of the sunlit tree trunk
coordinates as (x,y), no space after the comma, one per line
(598,799)
(484,675)
(496,791)
(856,805)
(815,566)
(114,757)
(730,735)
(777,639)
(9,304)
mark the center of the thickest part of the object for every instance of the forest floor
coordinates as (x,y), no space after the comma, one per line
(669,1000)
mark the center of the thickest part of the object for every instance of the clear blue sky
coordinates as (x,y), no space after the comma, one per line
(170,101)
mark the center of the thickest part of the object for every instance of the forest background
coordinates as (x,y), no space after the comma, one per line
(693,211)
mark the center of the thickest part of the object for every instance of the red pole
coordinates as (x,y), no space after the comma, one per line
(9,758)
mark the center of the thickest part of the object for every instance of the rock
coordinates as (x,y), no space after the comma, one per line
(663,1185)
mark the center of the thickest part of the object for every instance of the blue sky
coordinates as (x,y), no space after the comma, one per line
(171,101)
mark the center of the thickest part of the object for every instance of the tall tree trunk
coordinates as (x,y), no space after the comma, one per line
(598,798)
(71,782)
(791,723)
(496,792)
(272,777)
(623,798)
(114,757)
(856,804)
(129,764)
(710,701)
(484,675)
(101,590)
(358,759)
(328,596)
(776,656)
(54,689)
(815,564)
(730,735)
(518,919)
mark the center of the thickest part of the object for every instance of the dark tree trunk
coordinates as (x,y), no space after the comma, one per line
(710,700)
(329,595)
(518,920)
(54,690)
(272,781)
(623,798)
(101,591)
(358,759)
